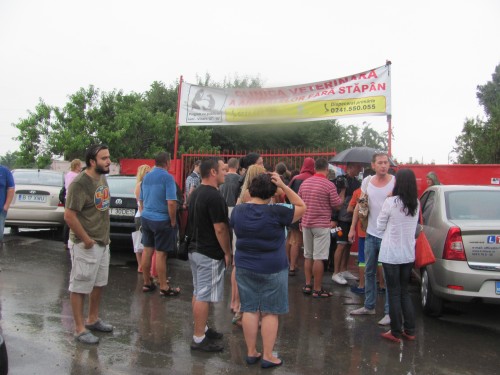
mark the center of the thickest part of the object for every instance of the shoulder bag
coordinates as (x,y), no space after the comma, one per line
(423,251)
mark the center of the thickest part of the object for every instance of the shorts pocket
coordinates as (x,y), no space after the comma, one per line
(84,268)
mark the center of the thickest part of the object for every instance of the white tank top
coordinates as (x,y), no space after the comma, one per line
(376,198)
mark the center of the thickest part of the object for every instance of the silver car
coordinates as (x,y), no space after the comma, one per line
(462,224)
(36,201)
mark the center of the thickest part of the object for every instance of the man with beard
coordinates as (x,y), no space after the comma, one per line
(87,215)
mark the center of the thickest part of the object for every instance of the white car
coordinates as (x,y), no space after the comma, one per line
(36,200)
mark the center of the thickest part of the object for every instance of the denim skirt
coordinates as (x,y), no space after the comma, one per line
(263,292)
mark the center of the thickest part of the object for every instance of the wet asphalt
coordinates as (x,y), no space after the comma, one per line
(152,334)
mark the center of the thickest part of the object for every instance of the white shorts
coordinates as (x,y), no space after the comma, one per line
(208,277)
(316,243)
(90,267)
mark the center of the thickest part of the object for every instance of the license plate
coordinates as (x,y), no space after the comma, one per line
(122,211)
(497,287)
(32,198)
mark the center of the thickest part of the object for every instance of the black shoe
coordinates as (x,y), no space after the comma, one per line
(206,345)
(212,334)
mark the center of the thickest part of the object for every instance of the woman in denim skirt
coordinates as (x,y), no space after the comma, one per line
(261,262)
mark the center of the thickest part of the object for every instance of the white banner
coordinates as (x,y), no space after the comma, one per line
(362,94)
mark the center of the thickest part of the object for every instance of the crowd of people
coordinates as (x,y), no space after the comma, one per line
(256,219)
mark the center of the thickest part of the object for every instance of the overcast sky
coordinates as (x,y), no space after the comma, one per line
(440,51)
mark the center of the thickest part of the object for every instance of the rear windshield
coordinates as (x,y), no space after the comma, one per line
(121,185)
(38,178)
(473,205)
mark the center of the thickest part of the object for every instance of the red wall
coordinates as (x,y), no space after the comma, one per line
(456,174)
(448,174)
(129,167)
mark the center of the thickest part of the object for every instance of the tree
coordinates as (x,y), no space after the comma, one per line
(10,160)
(480,140)
(34,150)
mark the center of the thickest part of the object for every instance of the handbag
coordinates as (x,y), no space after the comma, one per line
(136,240)
(363,208)
(182,252)
(423,250)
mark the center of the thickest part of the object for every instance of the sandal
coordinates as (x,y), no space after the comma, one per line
(291,272)
(148,288)
(307,289)
(237,319)
(170,292)
(321,294)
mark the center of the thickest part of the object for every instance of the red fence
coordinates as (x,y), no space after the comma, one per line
(293,159)
(184,166)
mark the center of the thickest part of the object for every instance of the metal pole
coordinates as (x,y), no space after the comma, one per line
(176,140)
(389,143)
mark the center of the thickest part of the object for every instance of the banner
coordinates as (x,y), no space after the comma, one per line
(362,94)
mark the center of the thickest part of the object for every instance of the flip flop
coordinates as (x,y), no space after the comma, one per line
(253,360)
(269,364)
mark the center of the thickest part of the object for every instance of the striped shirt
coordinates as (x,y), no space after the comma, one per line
(320,196)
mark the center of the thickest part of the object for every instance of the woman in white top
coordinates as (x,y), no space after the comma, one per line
(141,172)
(398,222)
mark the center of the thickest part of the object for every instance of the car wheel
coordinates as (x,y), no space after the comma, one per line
(431,304)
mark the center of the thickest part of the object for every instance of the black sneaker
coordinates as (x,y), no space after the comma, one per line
(212,334)
(206,345)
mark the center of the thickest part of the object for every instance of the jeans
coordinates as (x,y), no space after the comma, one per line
(3,215)
(397,277)
(372,248)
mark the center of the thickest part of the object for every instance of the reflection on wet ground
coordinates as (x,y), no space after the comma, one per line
(152,334)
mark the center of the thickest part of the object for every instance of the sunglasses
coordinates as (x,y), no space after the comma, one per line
(97,149)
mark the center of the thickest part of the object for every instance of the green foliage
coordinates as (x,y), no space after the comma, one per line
(10,160)
(34,132)
(479,141)
(136,125)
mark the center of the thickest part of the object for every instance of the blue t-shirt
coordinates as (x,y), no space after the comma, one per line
(260,236)
(158,187)
(6,182)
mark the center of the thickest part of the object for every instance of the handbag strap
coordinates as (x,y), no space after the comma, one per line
(195,231)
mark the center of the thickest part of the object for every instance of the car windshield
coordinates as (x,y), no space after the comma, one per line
(37,177)
(473,205)
(121,185)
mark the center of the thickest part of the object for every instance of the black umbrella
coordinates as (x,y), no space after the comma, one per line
(357,155)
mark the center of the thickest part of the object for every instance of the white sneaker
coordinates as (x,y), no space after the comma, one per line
(385,321)
(349,276)
(339,279)
(363,311)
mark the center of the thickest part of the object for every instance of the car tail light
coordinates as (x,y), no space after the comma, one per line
(454,246)
(455,287)
(60,204)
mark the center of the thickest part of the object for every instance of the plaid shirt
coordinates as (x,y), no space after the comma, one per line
(192,181)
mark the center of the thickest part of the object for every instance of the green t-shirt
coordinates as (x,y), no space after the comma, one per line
(90,199)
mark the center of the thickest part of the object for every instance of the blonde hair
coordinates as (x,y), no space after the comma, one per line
(141,172)
(252,171)
(75,163)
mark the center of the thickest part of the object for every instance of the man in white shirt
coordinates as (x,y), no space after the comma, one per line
(378,188)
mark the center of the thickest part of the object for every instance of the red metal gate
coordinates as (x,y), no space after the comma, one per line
(293,159)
